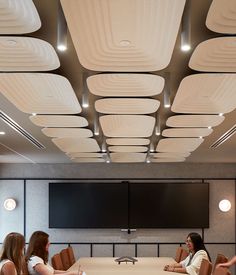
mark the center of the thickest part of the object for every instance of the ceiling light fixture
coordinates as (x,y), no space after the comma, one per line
(221,114)
(224,205)
(167,91)
(61,30)
(96,128)
(85,101)
(186,29)
(2,133)
(224,137)
(9,204)
(158,125)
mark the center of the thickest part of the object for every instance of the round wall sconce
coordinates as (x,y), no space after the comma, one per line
(9,204)
(225,205)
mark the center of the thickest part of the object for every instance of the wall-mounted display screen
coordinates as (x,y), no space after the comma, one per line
(128,205)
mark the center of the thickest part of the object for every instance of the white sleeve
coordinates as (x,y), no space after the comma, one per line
(194,267)
(33,261)
(185,261)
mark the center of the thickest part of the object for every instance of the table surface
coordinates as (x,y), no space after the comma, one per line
(108,266)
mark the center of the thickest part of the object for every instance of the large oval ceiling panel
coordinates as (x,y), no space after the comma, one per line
(186,132)
(127,141)
(124,35)
(128,157)
(67,132)
(178,144)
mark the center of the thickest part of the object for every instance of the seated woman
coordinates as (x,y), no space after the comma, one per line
(37,256)
(12,255)
(191,264)
(229,263)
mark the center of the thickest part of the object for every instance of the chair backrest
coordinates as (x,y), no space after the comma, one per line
(65,258)
(71,255)
(24,267)
(57,262)
(220,258)
(221,271)
(181,254)
(205,268)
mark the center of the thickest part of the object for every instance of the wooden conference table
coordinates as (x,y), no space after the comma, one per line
(108,266)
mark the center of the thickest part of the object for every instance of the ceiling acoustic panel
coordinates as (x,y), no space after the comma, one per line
(128,149)
(178,144)
(74,144)
(187,132)
(127,105)
(128,157)
(18,17)
(221,17)
(194,120)
(39,93)
(59,121)
(206,94)
(215,55)
(88,160)
(171,155)
(85,155)
(168,159)
(125,85)
(27,54)
(127,125)
(128,141)
(124,35)
(67,132)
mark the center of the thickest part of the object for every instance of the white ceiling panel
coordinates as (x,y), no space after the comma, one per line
(128,149)
(215,55)
(18,17)
(39,93)
(85,155)
(128,157)
(128,141)
(168,160)
(125,85)
(88,160)
(127,105)
(59,121)
(178,144)
(206,94)
(187,132)
(221,17)
(171,155)
(127,125)
(194,120)
(27,54)
(67,132)
(79,145)
(104,42)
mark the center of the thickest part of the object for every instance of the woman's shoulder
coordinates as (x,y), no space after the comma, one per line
(201,253)
(6,261)
(7,266)
(35,259)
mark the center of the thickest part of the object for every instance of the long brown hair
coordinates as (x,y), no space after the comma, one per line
(37,246)
(13,250)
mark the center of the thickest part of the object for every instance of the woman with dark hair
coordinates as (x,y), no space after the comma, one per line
(37,256)
(12,256)
(197,252)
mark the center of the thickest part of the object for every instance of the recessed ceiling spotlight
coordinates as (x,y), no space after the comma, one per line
(201,137)
(107,161)
(220,114)
(185,48)
(2,133)
(61,48)
(34,114)
(209,127)
(224,205)
(85,105)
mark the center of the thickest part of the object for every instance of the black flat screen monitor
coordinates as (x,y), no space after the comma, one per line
(169,205)
(92,205)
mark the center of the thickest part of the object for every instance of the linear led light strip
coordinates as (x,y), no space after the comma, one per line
(9,121)
(224,137)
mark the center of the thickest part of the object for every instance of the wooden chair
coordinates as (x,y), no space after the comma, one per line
(205,268)
(65,258)
(71,255)
(57,262)
(220,258)
(221,271)
(181,254)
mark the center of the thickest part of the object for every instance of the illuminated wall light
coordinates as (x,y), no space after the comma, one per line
(167,91)
(224,205)
(61,30)
(9,204)
(186,29)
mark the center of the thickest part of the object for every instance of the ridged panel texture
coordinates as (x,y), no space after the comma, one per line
(27,54)
(18,17)
(187,132)
(128,157)
(206,94)
(127,125)
(178,144)
(124,35)
(137,106)
(59,121)
(221,16)
(215,55)
(127,141)
(72,145)
(67,132)
(125,85)
(39,93)
(194,120)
